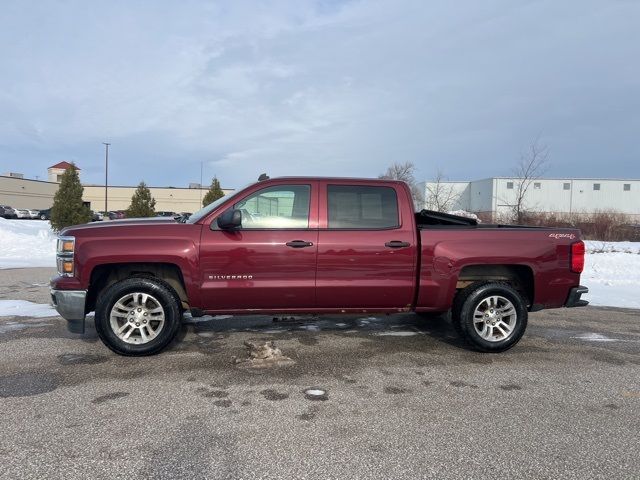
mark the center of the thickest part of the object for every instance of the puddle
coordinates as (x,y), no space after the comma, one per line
(80,359)
(597,337)
(26,384)
(396,334)
(17,326)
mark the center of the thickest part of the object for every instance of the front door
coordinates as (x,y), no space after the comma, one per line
(269,263)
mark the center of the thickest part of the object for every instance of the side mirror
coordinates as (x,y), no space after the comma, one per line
(230,220)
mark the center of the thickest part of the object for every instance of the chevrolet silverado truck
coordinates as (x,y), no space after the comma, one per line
(312,245)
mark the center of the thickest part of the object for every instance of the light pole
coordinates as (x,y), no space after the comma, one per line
(200,204)
(106,173)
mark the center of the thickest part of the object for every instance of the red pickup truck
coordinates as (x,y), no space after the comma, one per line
(312,245)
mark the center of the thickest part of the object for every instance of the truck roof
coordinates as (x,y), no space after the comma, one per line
(336,179)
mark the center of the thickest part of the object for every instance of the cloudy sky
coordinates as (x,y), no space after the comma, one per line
(318,87)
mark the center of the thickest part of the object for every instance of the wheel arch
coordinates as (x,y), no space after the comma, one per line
(105,275)
(520,277)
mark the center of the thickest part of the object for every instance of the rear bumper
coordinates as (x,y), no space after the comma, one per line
(573,300)
(70,304)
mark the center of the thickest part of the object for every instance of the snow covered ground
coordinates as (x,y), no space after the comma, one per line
(612,269)
(27,243)
(612,273)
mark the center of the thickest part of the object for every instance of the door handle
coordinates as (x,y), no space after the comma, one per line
(397,244)
(299,244)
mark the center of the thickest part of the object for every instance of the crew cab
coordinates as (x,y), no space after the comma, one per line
(312,245)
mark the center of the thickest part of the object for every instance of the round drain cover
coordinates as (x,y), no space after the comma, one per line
(315,392)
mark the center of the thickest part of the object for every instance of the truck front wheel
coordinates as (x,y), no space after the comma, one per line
(138,316)
(491,317)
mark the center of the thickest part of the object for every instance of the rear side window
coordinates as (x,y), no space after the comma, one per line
(362,207)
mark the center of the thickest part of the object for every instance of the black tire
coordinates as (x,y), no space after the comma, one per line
(160,291)
(470,298)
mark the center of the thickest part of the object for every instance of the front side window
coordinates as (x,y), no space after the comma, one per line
(362,207)
(280,206)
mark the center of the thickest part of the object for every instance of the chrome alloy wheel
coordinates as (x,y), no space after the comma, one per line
(495,318)
(137,318)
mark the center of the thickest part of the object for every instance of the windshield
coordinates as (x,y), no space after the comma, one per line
(203,212)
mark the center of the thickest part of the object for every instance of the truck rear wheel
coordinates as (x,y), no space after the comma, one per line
(491,317)
(138,316)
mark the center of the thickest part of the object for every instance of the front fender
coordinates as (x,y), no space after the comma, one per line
(182,252)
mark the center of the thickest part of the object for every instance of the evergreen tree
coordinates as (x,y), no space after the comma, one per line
(142,203)
(68,208)
(215,192)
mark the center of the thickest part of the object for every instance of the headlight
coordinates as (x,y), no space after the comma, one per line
(64,255)
(66,245)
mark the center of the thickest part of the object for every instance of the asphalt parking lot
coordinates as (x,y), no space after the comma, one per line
(404,399)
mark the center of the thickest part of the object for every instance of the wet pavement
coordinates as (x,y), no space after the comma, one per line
(365,397)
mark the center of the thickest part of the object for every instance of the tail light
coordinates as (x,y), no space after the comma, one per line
(577,257)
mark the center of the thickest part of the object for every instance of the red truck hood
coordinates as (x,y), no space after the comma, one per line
(129,222)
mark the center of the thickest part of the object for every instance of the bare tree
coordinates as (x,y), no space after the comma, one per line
(532,165)
(440,194)
(405,172)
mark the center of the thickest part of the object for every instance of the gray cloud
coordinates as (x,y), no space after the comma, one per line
(319,87)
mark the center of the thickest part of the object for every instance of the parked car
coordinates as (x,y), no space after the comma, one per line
(7,212)
(117,215)
(319,245)
(96,216)
(165,214)
(22,213)
(34,214)
(45,214)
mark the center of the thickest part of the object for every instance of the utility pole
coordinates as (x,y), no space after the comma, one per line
(106,173)
(200,205)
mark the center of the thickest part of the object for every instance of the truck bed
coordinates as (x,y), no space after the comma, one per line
(456,250)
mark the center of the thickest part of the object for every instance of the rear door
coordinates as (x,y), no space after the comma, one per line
(270,262)
(367,250)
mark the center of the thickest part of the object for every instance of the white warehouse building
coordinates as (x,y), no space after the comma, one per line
(496,196)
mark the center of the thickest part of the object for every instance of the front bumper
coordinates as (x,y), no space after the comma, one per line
(573,300)
(70,304)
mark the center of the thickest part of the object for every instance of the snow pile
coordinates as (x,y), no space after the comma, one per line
(595,246)
(612,273)
(464,213)
(27,243)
